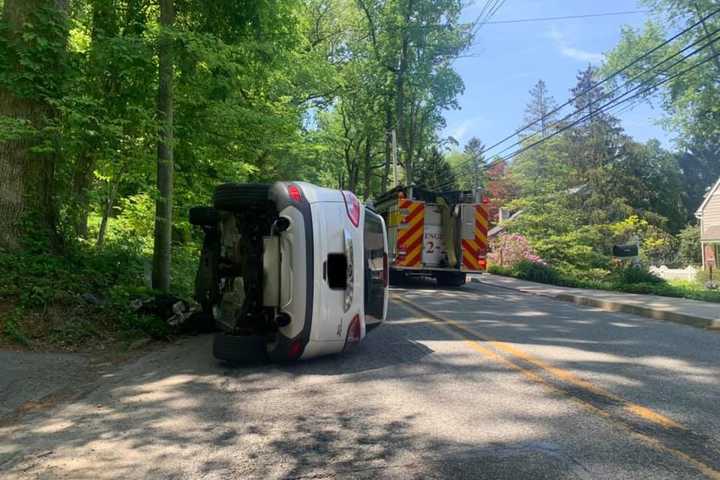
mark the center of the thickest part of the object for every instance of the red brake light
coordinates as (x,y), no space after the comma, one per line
(354,333)
(352,205)
(485,200)
(294,193)
(295,350)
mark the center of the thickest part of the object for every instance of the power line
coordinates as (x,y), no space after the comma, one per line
(489,9)
(568,17)
(615,102)
(608,78)
(631,79)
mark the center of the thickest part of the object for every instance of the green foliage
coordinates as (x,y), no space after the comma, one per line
(537,272)
(639,281)
(690,100)
(39,284)
(689,252)
(633,275)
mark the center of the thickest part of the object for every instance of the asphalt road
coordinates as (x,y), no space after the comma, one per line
(477,382)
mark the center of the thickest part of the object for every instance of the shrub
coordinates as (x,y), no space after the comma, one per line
(537,272)
(508,250)
(689,252)
(635,275)
(499,270)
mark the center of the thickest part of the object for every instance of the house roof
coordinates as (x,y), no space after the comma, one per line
(711,234)
(708,195)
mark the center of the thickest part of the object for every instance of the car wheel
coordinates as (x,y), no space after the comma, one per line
(450,279)
(235,197)
(207,278)
(240,349)
(204,216)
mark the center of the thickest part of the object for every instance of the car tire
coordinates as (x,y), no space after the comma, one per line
(235,197)
(204,216)
(207,277)
(240,349)
(451,279)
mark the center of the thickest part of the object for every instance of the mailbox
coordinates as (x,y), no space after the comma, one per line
(625,251)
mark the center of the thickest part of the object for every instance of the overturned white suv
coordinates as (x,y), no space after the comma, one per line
(290,270)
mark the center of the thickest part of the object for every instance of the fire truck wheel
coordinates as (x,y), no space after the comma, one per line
(396,277)
(450,279)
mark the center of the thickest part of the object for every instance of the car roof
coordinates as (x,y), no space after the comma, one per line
(315,194)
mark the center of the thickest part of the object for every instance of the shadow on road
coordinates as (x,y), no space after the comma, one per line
(409,402)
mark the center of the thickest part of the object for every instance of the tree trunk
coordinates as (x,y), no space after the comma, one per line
(388,147)
(81,180)
(107,211)
(400,94)
(367,167)
(26,178)
(163,207)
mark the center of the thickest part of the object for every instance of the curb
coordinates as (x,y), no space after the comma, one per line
(664,315)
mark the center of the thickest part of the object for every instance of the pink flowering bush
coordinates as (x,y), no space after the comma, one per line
(508,250)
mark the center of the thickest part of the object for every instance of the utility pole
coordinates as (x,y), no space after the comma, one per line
(394,158)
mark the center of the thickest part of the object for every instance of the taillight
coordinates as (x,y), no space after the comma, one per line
(386,272)
(354,333)
(294,193)
(352,205)
(295,350)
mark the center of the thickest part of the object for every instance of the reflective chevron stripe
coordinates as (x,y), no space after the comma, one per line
(474,251)
(410,233)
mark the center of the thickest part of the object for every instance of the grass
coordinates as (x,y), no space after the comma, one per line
(617,281)
(42,305)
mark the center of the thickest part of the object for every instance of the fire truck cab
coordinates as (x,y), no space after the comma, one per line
(435,234)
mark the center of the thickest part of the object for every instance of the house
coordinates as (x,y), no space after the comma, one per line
(503,216)
(709,216)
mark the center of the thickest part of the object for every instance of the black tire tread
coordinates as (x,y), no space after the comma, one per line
(235,197)
(203,216)
(451,279)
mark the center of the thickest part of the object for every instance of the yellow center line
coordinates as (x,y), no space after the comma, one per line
(564,375)
(644,413)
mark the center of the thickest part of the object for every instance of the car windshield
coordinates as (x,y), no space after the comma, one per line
(374,251)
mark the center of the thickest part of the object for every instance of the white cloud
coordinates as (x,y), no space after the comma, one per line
(459,132)
(582,55)
(572,52)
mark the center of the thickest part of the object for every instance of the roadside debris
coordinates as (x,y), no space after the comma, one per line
(182,316)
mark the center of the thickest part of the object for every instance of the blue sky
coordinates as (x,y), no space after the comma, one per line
(506,60)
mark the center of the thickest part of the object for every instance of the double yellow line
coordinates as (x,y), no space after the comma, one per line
(633,418)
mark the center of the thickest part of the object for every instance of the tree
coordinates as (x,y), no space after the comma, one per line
(689,251)
(31,71)
(434,172)
(417,60)
(540,110)
(164,203)
(501,188)
(689,99)
(475,154)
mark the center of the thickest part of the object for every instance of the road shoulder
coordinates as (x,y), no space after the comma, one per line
(679,310)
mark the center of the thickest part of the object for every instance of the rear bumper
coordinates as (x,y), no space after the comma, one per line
(290,341)
(431,271)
